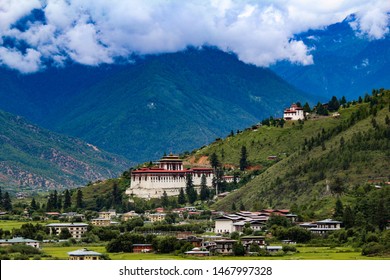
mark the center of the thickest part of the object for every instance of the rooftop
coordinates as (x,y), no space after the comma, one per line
(84,252)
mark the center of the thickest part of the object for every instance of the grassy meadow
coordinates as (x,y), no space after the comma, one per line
(303,253)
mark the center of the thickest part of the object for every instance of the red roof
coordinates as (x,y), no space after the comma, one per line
(161,170)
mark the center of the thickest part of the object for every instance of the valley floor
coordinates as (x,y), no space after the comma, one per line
(304,253)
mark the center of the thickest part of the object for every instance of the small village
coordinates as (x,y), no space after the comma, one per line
(248,229)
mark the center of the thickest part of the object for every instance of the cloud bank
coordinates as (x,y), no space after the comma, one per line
(34,33)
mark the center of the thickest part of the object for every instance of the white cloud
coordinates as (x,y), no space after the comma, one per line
(98,31)
(25,63)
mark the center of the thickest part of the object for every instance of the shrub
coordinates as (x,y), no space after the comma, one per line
(289,248)
(372,249)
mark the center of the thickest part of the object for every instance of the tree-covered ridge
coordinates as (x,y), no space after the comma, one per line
(33,158)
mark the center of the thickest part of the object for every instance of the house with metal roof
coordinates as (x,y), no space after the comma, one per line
(84,254)
(19,240)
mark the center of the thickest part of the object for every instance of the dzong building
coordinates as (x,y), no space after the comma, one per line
(169,176)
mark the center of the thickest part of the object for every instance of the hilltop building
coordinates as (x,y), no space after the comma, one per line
(168,176)
(294,113)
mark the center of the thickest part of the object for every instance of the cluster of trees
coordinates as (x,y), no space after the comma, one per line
(161,244)
(5,201)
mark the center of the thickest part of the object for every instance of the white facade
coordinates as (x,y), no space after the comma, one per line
(294,113)
(169,177)
(75,229)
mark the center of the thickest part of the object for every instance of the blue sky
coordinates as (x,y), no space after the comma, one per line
(35,33)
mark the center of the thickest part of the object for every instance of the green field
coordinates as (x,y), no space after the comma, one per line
(9,224)
(304,253)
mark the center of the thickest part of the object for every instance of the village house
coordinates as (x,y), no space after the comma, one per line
(101,222)
(84,254)
(247,241)
(129,215)
(157,217)
(230,178)
(225,224)
(169,177)
(293,113)
(107,214)
(19,240)
(325,226)
(224,246)
(75,229)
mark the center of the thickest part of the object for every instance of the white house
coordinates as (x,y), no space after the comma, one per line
(169,176)
(294,113)
(325,226)
(84,254)
(75,229)
(225,224)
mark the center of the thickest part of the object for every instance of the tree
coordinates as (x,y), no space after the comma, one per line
(204,190)
(338,210)
(333,104)
(348,217)
(337,185)
(190,190)
(64,234)
(243,159)
(238,249)
(164,200)
(116,195)
(181,198)
(214,160)
(33,204)
(7,204)
(67,200)
(79,199)
(343,101)
(306,108)
(321,110)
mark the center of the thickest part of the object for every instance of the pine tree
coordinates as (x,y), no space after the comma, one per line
(181,198)
(190,190)
(59,203)
(165,200)
(348,217)
(33,204)
(79,199)
(214,160)
(67,200)
(55,199)
(338,210)
(306,108)
(243,159)
(204,190)
(7,204)
(116,196)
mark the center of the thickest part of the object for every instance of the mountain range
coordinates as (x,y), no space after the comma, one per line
(345,63)
(169,102)
(173,102)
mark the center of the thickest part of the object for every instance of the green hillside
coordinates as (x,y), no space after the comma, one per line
(316,160)
(33,158)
